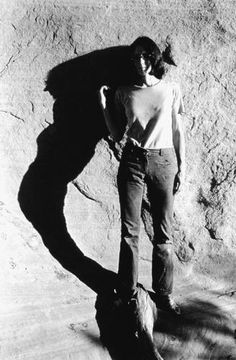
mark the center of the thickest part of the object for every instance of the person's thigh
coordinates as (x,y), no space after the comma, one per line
(130,186)
(161,175)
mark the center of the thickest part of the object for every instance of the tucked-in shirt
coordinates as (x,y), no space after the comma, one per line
(150,112)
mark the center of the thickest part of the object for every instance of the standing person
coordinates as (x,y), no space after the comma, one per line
(153,155)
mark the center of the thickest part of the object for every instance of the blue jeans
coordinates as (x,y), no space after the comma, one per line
(157,169)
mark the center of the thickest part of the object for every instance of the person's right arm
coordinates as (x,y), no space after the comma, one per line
(114,122)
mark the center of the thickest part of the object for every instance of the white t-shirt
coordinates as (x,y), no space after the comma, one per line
(150,112)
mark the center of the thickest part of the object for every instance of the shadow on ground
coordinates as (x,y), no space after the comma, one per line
(203,331)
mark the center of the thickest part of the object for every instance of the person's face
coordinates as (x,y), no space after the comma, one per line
(142,61)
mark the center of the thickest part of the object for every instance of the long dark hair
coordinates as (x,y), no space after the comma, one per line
(157,58)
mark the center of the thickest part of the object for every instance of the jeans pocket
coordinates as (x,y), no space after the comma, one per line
(169,159)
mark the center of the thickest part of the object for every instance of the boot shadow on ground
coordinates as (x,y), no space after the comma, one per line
(64,149)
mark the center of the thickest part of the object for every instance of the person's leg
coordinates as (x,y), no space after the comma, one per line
(162,257)
(162,170)
(130,186)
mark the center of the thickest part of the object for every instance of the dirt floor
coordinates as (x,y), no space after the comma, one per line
(61,329)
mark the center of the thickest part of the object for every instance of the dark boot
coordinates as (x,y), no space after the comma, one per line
(166,303)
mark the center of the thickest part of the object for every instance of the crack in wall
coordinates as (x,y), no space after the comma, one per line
(12,114)
(84,192)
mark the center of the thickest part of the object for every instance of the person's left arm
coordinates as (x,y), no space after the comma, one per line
(179,145)
(178,139)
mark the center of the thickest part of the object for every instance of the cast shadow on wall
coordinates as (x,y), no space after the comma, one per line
(64,149)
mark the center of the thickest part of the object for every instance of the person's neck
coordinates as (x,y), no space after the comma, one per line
(148,80)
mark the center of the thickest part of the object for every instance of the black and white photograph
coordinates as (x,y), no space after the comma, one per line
(118,180)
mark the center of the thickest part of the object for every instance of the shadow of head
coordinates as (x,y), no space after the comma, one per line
(88,72)
(126,329)
(78,123)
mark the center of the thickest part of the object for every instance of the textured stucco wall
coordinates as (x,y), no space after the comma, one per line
(37,36)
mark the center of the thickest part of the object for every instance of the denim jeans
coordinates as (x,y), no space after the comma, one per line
(157,169)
